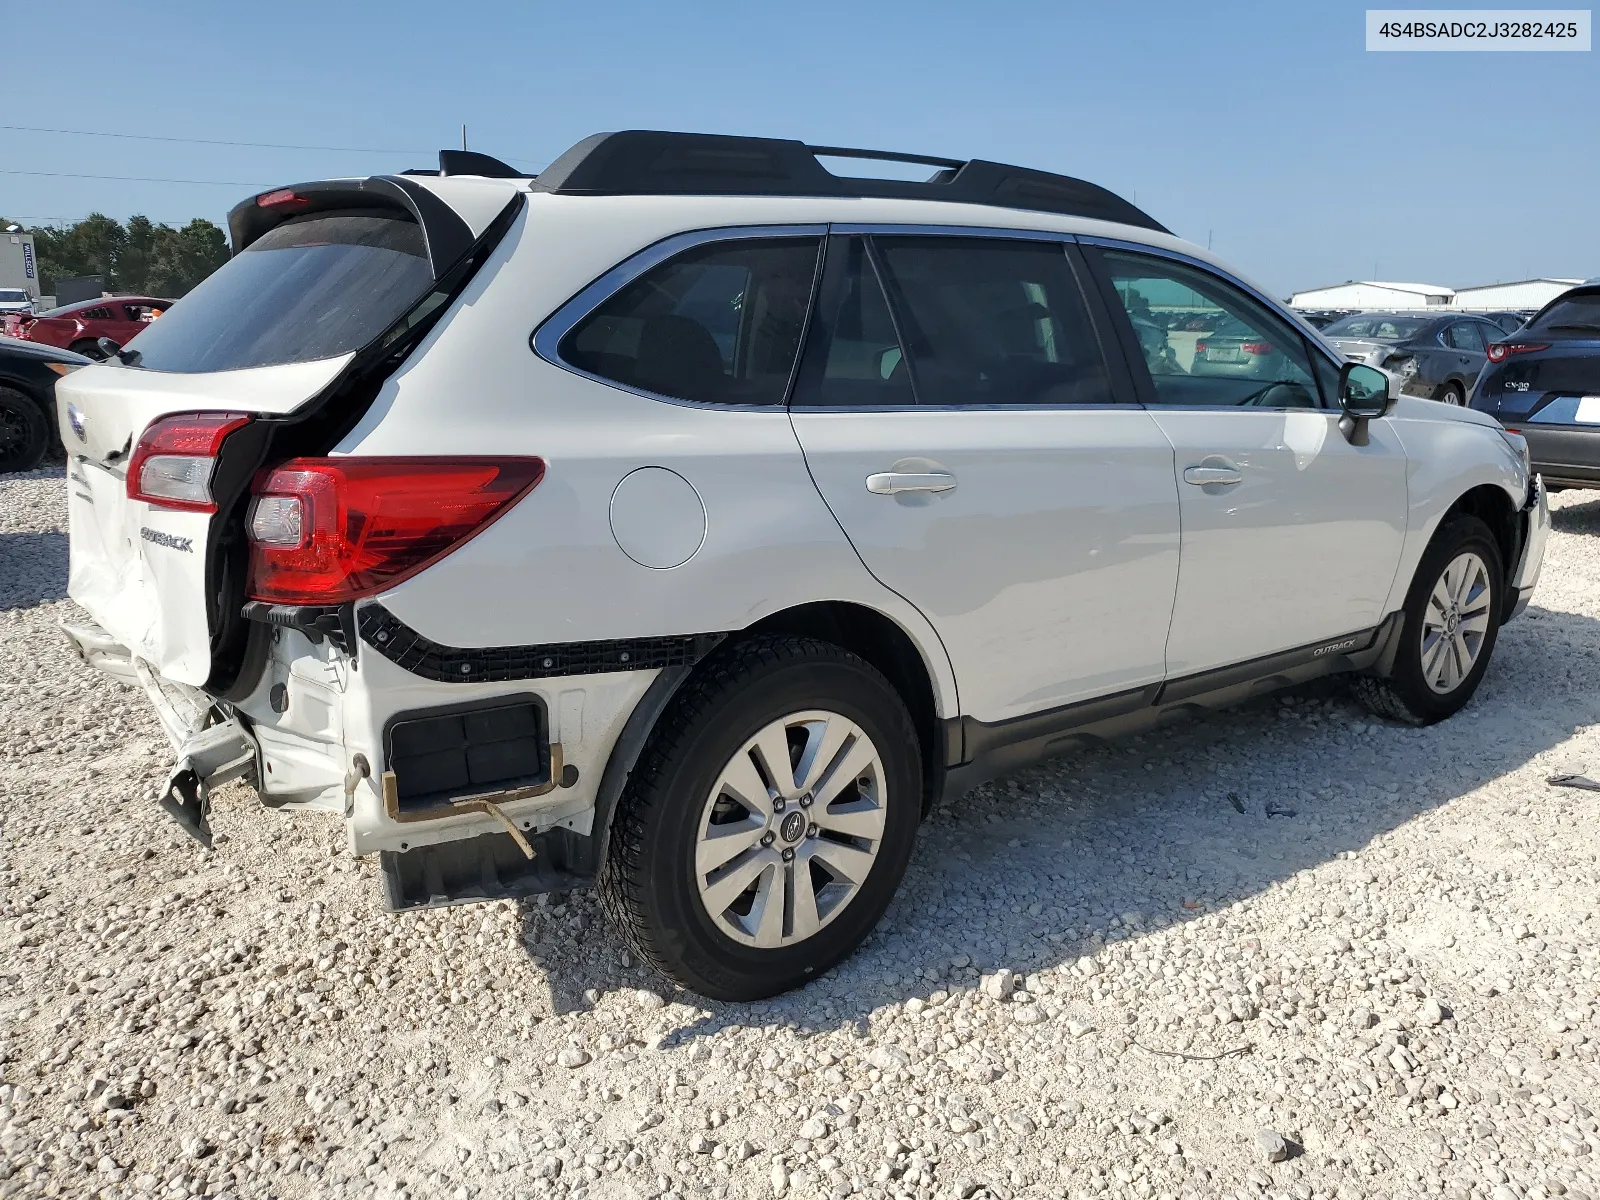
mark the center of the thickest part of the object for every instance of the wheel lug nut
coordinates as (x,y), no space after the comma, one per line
(777,805)
(805,800)
(811,831)
(788,856)
(766,839)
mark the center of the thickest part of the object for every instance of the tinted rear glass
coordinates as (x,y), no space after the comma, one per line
(312,288)
(1580,310)
(1385,328)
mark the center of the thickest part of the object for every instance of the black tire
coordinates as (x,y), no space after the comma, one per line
(648,881)
(89,348)
(1451,393)
(1406,694)
(24,431)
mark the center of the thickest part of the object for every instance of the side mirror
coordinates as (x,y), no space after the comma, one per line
(1363,395)
(107,347)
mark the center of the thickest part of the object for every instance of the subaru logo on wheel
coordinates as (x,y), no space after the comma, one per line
(76,419)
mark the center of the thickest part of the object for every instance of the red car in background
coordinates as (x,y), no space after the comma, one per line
(79,327)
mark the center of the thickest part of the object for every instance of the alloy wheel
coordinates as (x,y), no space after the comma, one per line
(791,829)
(1456,622)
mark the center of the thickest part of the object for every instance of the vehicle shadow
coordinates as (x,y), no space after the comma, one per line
(1581,517)
(33,569)
(1032,871)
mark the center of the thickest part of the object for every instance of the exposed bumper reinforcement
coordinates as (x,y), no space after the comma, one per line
(1531,562)
(206,760)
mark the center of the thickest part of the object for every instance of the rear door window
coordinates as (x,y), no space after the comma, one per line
(993,321)
(314,287)
(1464,335)
(718,324)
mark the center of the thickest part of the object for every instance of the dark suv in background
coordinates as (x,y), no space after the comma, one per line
(1544,383)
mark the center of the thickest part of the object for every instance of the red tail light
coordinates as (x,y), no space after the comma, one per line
(1500,351)
(171,466)
(1258,347)
(1199,347)
(284,198)
(329,530)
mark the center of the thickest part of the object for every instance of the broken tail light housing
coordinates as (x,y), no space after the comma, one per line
(332,530)
(172,465)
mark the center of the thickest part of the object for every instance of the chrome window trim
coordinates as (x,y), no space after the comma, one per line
(545,340)
(1312,336)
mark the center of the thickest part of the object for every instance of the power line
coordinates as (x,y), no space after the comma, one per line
(131,178)
(152,137)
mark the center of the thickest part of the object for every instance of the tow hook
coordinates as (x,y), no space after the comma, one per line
(207,759)
(360,769)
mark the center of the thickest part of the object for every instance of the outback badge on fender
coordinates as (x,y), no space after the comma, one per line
(1347,644)
(169,540)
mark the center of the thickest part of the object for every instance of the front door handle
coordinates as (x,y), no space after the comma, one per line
(893,483)
(1202,476)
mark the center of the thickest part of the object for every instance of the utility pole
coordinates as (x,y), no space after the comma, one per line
(463,137)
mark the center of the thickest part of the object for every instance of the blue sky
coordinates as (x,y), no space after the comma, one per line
(1266,127)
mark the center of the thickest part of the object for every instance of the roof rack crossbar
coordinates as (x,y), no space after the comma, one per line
(921,160)
(648,162)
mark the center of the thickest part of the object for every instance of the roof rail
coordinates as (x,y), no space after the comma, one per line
(645,162)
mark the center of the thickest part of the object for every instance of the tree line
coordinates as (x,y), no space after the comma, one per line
(141,256)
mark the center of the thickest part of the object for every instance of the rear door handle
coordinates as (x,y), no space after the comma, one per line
(893,483)
(1201,476)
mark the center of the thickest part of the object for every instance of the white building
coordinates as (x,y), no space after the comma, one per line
(1525,293)
(1378,296)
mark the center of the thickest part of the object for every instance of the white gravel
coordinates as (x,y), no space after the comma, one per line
(1388,989)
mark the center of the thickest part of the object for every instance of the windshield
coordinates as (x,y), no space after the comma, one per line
(1394,329)
(316,287)
(1581,311)
(13,296)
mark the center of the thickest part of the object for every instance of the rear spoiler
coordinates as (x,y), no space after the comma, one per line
(446,234)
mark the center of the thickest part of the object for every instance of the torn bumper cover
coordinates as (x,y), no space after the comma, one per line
(213,748)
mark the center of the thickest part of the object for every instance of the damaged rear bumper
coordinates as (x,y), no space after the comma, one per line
(213,747)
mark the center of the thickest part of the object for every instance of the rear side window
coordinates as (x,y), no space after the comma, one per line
(717,324)
(1464,335)
(316,287)
(1578,312)
(993,321)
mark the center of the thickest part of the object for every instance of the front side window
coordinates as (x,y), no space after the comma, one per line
(989,321)
(718,324)
(1205,342)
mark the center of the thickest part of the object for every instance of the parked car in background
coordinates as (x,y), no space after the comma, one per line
(1438,357)
(28,374)
(79,327)
(1233,348)
(15,301)
(1544,383)
(1321,318)
(1510,322)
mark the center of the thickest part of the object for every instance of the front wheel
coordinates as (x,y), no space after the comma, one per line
(1452,394)
(769,820)
(1452,617)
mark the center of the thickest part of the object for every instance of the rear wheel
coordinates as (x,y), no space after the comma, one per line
(1452,617)
(1452,394)
(89,348)
(24,432)
(769,821)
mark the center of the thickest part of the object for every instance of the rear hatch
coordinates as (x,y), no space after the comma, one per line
(276,353)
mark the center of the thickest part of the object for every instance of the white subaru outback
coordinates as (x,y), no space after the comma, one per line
(688,519)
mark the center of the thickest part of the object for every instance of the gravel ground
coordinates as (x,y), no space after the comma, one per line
(1286,951)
